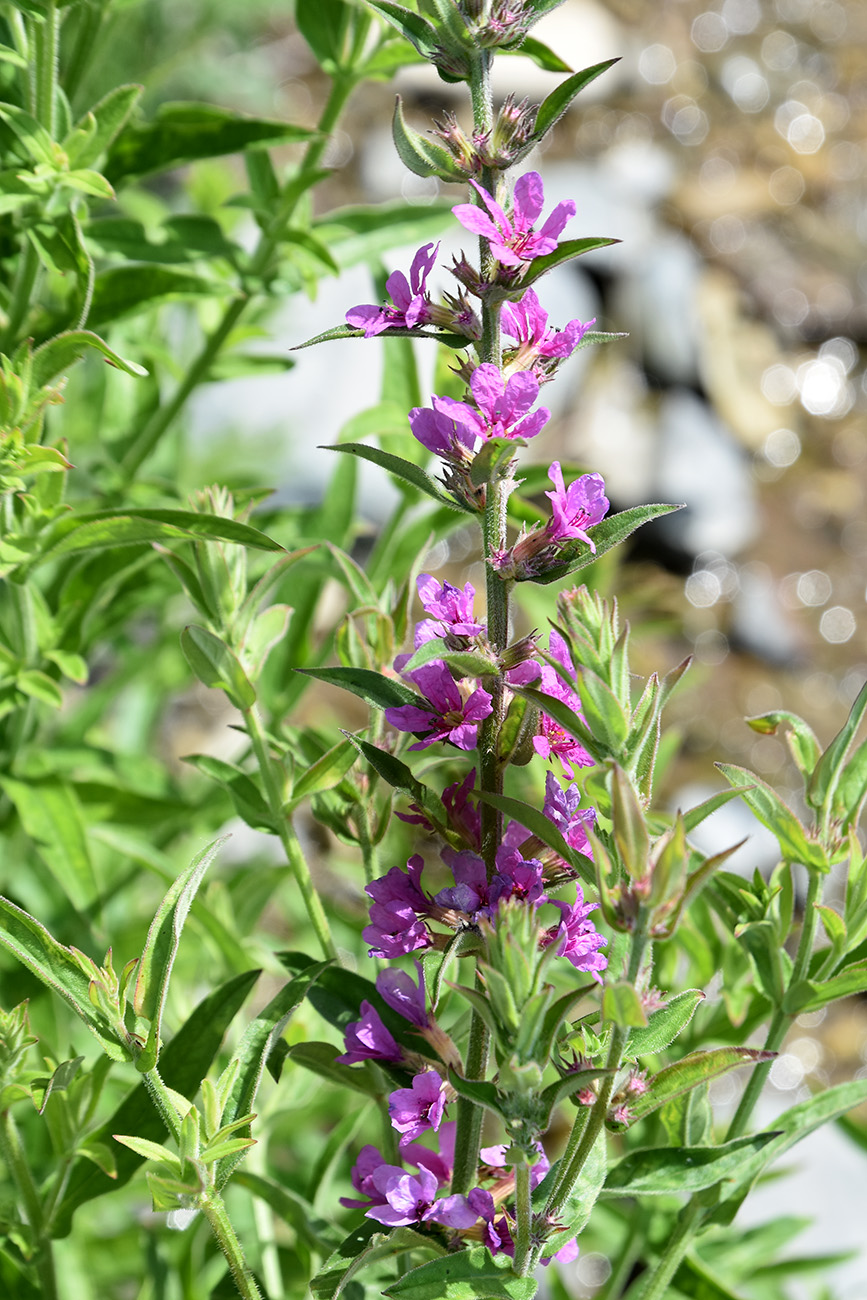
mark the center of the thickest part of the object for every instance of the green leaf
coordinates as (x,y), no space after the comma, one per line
(622,1005)
(249,1059)
(217,666)
(664,1025)
(61,352)
(777,816)
(108,529)
(803,744)
(688,1073)
(121,291)
(320,1058)
(810,995)
(338,332)
(659,1171)
(402,469)
(581,1200)
(358,234)
(147,1150)
(491,461)
(481,1093)
(323,25)
(607,534)
(469,663)
(161,946)
(57,968)
(567,718)
(367,1245)
(326,772)
(32,141)
(540,54)
(185,132)
(567,251)
(374,688)
(241,789)
(419,154)
(469,1275)
(820,792)
(555,105)
(538,824)
(184,1062)
(93,134)
(39,686)
(417,30)
(398,775)
(51,815)
(701,811)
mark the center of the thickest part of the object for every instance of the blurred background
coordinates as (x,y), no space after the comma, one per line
(727,151)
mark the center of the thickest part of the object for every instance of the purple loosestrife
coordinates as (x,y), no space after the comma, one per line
(412,304)
(450,609)
(395,926)
(561,807)
(403,995)
(411,1199)
(527,323)
(440,1162)
(455,430)
(448,717)
(370,1159)
(577,938)
(368,1039)
(512,238)
(576,508)
(422,1106)
(464,817)
(553,740)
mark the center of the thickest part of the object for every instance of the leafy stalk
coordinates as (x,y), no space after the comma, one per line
(288,838)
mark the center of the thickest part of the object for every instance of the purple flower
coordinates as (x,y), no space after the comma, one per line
(495,1158)
(553,739)
(403,995)
(470,891)
(561,808)
(456,430)
(399,886)
(496,1233)
(441,432)
(579,940)
(369,1160)
(394,931)
(415,1109)
(576,508)
(441,1163)
(516,878)
(449,716)
(411,302)
(451,609)
(463,815)
(368,1039)
(527,323)
(412,1200)
(511,236)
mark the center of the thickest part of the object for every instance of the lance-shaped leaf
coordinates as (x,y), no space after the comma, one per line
(367,1245)
(803,745)
(404,470)
(419,154)
(337,332)
(464,1276)
(57,968)
(692,1070)
(61,352)
(375,689)
(555,105)
(327,772)
(851,791)
(579,1204)
(777,816)
(398,775)
(538,824)
(246,797)
(184,1062)
(560,1089)
(695,816)
(247,1064)
(541,54)
(52,816)
(664,1025)
(566,251)
(607,534)
(621,1004)
(659,1171)
(810,995)
(417,30)
(217,666)
(185,132)
(110,528)
(789,1128)
(481,1093)
(320,1058)
(161,946)
(567,718)
(820,792)
(470,663)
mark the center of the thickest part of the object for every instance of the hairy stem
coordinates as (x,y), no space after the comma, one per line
(147,437)
(288,838)
(523,1218)
(214,1210)
(43,74)
(468,1131)
(676,1248)
(15,1159)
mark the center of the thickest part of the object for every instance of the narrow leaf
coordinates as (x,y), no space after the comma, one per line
(555,105)
(402,469)
(374,688)
(52,816)
(607,534)
(666,1170)
(664,1025)
(688,1073)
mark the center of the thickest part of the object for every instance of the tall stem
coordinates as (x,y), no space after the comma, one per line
(46,49)
(676,1247)
(214,1210)
(15,1159)
(468,1132)
(288,838)
(523,1219)
(147,438)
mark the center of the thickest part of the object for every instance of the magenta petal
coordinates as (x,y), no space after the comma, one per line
(521,392)
(407,717)
(563,213)
(494,208)
(397,287)
(422,265)
(529,198)
(454,1211)
(478,706)
(368,318)
(476,221)
(504,255)
(487,387)
(531,424)
(393,1218)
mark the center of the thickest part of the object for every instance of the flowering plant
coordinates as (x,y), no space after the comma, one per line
(505,967)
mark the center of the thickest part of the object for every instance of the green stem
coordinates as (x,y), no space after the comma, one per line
(678,1245)
(523,1219)
(90,18)
(23,292)
(15,1160)
(294,853)
(369,850)
(592,1127)
(213,1207)
(159,1095)
(147,438)
(780,1021)
(468,1130)
(46,47)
